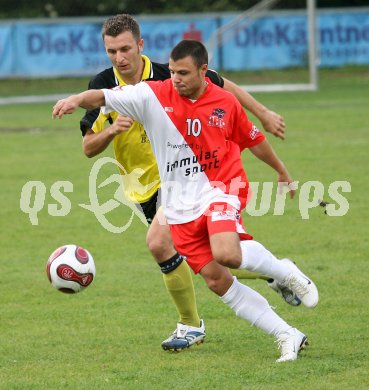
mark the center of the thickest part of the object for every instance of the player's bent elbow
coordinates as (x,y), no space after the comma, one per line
(88,151)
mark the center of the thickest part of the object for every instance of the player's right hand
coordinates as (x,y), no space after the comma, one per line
(65,106)
(122,123)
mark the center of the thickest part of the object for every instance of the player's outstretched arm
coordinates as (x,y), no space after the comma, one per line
(271,121)
(90,99)
(264,152)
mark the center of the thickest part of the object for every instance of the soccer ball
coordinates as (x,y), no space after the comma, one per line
(70,269)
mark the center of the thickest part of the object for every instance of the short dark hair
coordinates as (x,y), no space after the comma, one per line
(192,48)
(117,24)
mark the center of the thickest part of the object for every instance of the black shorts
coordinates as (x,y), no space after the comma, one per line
(149,208)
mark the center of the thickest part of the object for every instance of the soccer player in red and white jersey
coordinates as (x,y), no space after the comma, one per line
(124,46)
(197,131)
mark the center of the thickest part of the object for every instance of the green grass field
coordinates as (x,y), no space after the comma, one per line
(108,336)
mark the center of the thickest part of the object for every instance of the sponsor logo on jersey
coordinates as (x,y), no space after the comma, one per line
(224,215)
(254,132)
(197,163)
(143,135)
(216,118)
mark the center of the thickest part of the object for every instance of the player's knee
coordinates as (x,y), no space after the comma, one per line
(159,246)
(213,284)
(220,284)
(228,257)
(155,244)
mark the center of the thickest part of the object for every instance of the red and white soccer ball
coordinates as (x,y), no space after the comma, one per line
(70,269)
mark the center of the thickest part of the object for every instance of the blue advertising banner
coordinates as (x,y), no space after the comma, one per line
(59,49)
(71,47)
(75,49)
(344,38)
(161,36)
(269,42)
(6,51)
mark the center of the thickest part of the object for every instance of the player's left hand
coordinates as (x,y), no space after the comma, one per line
(273,123)
(285,180)
(65,106)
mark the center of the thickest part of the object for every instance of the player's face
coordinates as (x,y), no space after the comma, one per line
(125,54)
(187,78)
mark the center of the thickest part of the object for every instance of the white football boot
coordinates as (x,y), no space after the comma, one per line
(288,295)
(290,344)
(184,337)
(301,285)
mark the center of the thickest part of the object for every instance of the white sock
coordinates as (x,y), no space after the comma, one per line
(254,308)
(256,258)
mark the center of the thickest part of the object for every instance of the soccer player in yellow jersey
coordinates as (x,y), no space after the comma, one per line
(124,45)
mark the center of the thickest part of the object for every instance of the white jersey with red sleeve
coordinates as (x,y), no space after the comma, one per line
(197,144)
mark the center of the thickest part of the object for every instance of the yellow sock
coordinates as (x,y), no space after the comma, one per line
(180,287)
(245,274)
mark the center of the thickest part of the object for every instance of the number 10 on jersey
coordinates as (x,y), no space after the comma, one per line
(193,127)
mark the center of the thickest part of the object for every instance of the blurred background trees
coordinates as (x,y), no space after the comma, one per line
(48,8)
